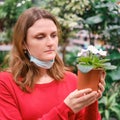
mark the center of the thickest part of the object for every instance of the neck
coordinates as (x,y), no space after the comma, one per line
(44,79)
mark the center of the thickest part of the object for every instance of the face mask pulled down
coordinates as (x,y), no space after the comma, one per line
(40,63)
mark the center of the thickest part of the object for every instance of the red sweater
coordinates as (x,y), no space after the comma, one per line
(44,103)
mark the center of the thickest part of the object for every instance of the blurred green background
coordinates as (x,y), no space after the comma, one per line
(83,22)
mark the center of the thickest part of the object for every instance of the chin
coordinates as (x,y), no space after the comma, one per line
(51,58)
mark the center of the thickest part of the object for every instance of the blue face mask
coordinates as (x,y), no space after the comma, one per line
(42,64)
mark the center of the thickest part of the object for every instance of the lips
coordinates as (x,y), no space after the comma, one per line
(49,51)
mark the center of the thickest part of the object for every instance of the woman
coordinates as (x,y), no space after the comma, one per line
(37,85)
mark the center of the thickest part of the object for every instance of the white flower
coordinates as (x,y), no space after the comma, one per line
(92,49)
(83,51)
(103,53)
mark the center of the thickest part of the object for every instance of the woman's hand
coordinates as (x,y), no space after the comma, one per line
(79,99)
(101,85)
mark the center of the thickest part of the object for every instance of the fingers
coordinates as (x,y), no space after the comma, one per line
(103,75)
(101,84)
(91,100)
(88,97)
(101,87)
(79,93)
(102,81)
(100,90)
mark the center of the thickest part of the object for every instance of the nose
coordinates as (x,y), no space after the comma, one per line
(50,41)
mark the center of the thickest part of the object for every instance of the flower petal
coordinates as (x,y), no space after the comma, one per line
(93,49)
(103,53)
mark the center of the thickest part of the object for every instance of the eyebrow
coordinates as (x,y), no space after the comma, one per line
(42,33)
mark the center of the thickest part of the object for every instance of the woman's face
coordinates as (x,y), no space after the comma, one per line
(42,39)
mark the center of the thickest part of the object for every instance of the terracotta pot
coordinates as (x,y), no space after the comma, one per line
(89,80)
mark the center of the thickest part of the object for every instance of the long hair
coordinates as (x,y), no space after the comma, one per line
(25,72)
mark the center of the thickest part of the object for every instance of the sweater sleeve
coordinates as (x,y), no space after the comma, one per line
(8,108)
(89,113)
(92,112)
(61,112)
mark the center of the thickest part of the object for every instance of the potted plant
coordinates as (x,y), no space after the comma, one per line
(91,63)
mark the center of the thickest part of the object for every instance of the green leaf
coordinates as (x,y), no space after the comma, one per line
(84,68)
(108,66)
(115,75)
(116,110)
(112,98)
(107,114)
(95,19)
(104,100)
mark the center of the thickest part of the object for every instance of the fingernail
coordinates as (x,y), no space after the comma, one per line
(95,92)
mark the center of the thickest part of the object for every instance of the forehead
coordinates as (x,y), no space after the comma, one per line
(43,25)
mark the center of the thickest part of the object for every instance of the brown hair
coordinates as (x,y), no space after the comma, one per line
(23,70)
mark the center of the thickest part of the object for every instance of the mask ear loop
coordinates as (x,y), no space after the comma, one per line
(27,49)
(28,53)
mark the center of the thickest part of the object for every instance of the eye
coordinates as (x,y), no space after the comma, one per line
(54,35)
(40,37)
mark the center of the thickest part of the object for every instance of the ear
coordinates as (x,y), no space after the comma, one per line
(24,46)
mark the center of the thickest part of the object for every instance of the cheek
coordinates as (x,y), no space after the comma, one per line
(38,47)
(35,48)
(56,44)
